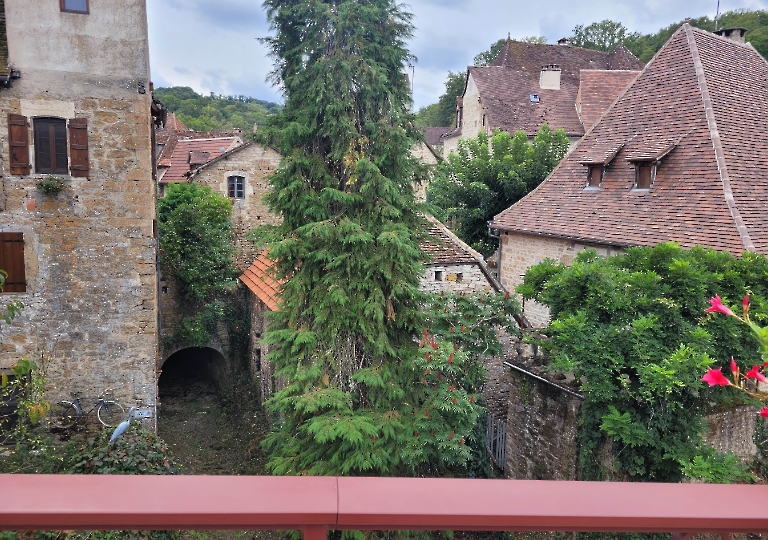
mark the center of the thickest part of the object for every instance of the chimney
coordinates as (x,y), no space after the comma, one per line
(562,41)
(550,77)
(734,34)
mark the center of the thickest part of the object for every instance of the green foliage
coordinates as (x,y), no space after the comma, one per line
(716,468)
(197,254)
(602,36)
(23,394)
(488,174)
(50,185)
(138,451)
(634,327)
(486,57)
(443,113)
(344,337)
(756,22)
(12,308)
(206,113)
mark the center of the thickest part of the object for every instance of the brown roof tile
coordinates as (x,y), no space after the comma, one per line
(702,106)
(597,90)
(188,153)
(507,84)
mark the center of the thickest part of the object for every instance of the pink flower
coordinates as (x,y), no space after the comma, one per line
(718,307)
(764,412)
(734,367)
(745,306)
(754,373)
(714,377)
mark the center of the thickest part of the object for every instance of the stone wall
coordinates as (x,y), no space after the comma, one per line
(518,252)
(454,278)
(255,163)
(90,251)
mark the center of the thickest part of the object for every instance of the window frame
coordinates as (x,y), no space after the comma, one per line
(232,186)
(64,9)
(591,168)
(37,135)
(12,248)
(651,166)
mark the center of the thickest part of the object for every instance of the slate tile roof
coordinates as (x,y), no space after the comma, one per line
(506,85)
(701,106)
(188,153)
(434,135)
(598,88)
(260,281)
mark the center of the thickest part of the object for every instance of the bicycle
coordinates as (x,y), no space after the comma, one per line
(66,415)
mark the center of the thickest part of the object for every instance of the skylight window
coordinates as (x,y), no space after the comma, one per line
(534,98)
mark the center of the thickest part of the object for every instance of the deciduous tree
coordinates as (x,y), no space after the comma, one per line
(488,174)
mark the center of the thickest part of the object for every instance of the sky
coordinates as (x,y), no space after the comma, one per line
(212,45)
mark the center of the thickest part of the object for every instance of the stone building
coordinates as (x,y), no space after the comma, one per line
(529,84)
(76,110)
(242,174)
(679,157)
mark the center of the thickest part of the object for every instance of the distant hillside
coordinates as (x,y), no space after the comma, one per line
(206,113)
(756,22)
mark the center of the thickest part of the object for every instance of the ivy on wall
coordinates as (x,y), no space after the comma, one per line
(633,328)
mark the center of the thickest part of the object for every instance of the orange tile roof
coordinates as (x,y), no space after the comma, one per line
(194,149)
(259,279)
(702,106)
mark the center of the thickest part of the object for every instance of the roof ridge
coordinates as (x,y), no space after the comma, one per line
(221,156)
(715,138)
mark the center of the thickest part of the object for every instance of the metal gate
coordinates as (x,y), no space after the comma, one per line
(496,438)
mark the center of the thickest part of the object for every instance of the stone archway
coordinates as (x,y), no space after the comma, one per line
(202,364)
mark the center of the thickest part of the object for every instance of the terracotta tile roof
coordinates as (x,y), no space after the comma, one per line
(434,135)
(506,86)
(597,90)
(188,153)
(702,104)
(259,279)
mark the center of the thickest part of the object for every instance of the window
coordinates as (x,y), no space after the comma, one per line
(237,187)
(644,175)
(51,145)
(438,275)
(12,261)
(594,175)
(74,6)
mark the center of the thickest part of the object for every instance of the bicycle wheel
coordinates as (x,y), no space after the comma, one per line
(110,413)
(64,416)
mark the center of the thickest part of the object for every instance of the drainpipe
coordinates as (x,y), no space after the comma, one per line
(494,233)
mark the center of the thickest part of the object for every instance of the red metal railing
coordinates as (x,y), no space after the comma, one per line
(318,504)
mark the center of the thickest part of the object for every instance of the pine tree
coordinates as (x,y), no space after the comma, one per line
(343,338)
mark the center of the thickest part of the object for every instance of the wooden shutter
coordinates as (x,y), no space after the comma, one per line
(12,261)
(643,176)
(78,147)
(18,141)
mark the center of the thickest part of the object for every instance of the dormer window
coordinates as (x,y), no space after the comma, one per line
(595,175)
(645,174)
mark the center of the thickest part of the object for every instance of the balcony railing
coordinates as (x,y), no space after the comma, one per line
(316,505)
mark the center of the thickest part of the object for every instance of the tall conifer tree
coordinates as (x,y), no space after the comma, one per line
(343,338)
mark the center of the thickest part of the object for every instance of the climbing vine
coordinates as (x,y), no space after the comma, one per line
(633,327)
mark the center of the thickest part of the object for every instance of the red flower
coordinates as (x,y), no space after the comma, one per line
(764,412)
(450,358)
(714,377)
(754,373)
(506,296)
(717,306)
(734,367)
(426,354)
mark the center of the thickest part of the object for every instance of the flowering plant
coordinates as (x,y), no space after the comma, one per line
(749,381)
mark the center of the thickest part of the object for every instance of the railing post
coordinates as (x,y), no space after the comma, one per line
(314,533)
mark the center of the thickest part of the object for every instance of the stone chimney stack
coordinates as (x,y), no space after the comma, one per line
(550,77)
(734,34)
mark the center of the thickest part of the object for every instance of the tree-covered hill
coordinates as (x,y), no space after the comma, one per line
(206,113)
